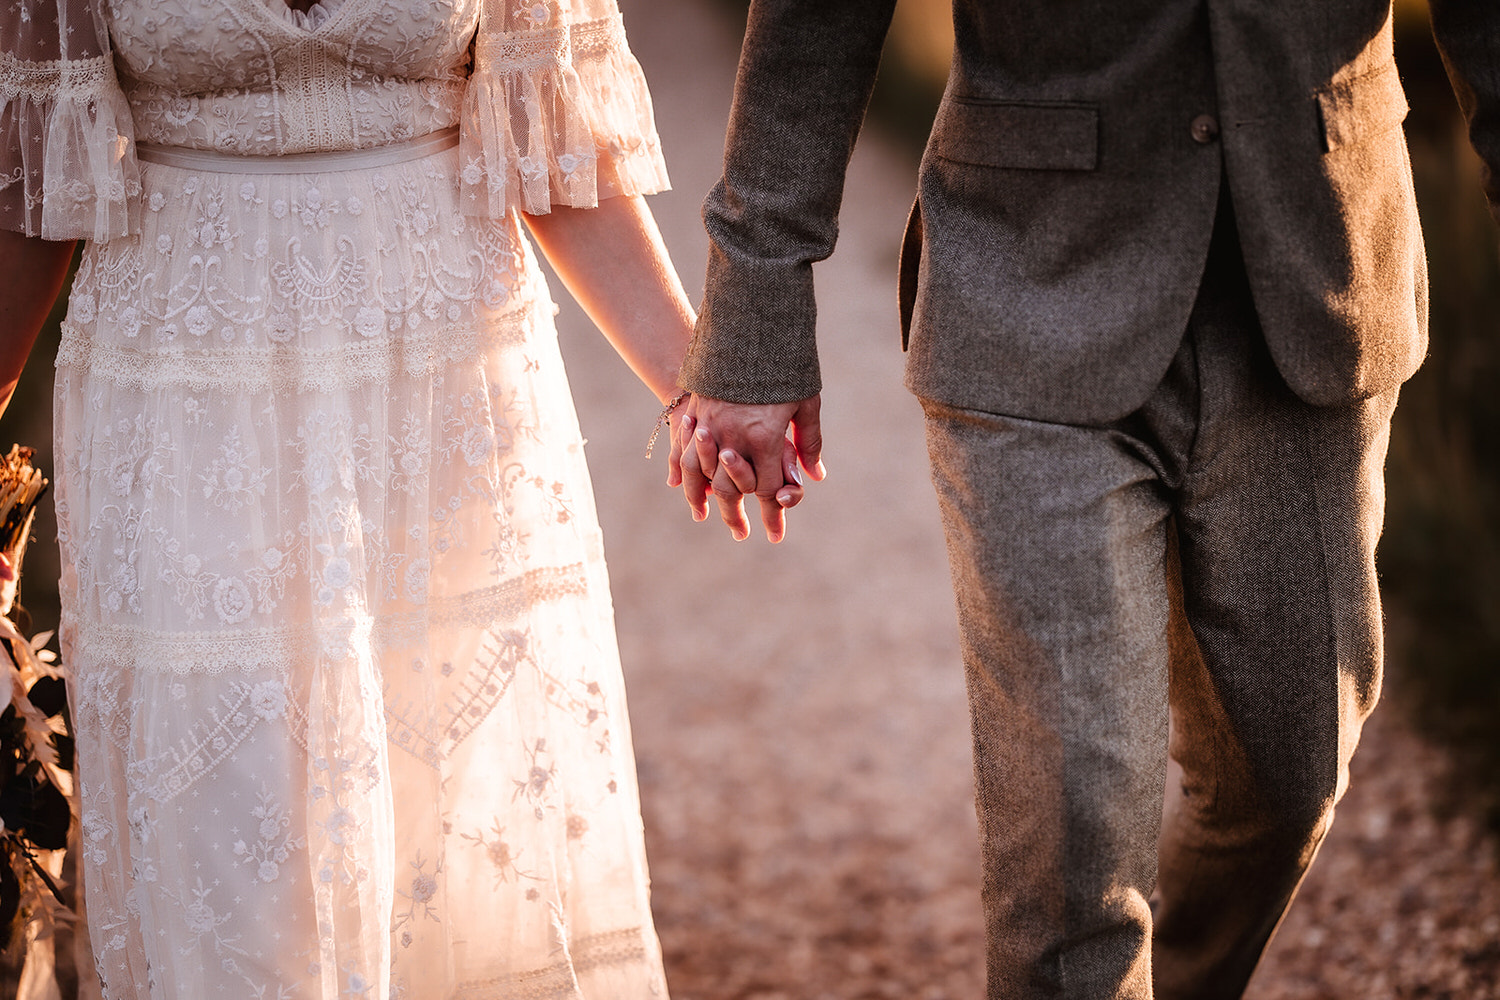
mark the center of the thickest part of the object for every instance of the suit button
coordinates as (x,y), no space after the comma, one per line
(1205,129)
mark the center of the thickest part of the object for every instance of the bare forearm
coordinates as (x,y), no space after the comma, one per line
(31,273)
(614,262)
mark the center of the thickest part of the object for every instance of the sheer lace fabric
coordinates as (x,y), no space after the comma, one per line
(67,167)
(351,720)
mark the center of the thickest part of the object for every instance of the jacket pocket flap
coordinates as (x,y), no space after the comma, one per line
(1018,135)
(1362,107)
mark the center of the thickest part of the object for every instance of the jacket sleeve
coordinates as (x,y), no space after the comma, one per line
(806,71)
(1468,34)
(556,111)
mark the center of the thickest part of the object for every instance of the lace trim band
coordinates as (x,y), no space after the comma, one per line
(258,649)
(298,369)
(513,51)
(598,37)
(54,79)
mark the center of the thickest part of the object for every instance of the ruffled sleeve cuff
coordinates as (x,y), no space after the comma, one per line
(67,150)
(557,116)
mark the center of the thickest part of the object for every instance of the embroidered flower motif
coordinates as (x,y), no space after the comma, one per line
(268,871)
(268,699)
(281,329)
(417,574)
(232,600)
(130,322)
(472,173)
(534,14)
(198,320)
(157,201)
(200,919)
(181,110)
(477,445)
(164,244)
(531,168)
(337,574)
(369,321)
(569,163)
(122,474)
(423,888)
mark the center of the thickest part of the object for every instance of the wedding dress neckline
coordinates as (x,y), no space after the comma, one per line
(309,20)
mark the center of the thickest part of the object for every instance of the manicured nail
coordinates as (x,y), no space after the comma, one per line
(701,434)
(726,456)
(796,475)
(785,499)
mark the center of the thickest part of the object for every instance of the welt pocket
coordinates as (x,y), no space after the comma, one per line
(1018,135)
(1354,110)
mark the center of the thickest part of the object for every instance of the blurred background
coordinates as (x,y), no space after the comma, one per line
(799,714)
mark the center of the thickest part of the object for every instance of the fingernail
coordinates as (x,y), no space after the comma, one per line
(701,434)
(687,422)
(822,471)
(785,499)
(796,475)
(726,455)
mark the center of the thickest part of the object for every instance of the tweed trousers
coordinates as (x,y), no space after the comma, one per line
(1193,581)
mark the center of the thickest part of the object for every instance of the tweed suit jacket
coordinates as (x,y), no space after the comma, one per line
(1068,193)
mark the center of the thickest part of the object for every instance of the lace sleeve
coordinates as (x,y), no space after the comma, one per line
(557,111)
(67,155)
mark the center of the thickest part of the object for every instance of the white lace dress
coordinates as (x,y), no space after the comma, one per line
(349,708)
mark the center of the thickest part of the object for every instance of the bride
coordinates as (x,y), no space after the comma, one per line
(349,709)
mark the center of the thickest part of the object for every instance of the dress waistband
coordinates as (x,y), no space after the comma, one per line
(214,161)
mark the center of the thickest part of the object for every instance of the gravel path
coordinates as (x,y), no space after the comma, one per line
(799,712)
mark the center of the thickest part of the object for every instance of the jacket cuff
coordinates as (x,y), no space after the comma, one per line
(754,341)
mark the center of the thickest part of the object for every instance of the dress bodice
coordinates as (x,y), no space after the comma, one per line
(256,77)
(550,105)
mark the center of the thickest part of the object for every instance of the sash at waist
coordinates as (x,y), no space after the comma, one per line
(219,162)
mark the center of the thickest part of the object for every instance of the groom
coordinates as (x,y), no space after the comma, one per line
(1161,285)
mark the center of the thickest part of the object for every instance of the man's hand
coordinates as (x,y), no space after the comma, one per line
(736,449)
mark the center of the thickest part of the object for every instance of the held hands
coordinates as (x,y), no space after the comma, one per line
(737,449)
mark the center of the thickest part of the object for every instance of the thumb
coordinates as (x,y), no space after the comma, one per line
(807,435)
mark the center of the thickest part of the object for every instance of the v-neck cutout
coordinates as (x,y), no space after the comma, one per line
(312,21)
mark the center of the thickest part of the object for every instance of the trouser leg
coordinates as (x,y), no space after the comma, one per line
(1056,537)
(1058,541)
(1277,517)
